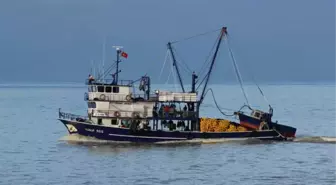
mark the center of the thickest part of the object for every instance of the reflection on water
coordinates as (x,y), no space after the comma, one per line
(105,146)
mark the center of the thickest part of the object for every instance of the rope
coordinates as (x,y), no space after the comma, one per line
(261,92)
(237,71)
(168,77)
(213,96)
(164,63)
(182,62)
(195,36)
(207,61)
(199,85)
(219,109)
(107,72)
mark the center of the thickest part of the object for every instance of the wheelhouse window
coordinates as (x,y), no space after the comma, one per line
(91,104)
(114,122)
(115,89)
(92,88)
(100,121)
(125,123)
(108,89)
(100,88)
(257,114)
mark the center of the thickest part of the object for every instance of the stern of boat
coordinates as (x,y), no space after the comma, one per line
(254,123)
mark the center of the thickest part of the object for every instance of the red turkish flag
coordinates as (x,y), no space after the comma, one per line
(124,54)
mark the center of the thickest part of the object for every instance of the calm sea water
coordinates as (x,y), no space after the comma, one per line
(35,148)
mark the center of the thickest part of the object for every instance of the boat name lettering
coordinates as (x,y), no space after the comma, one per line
(89,130)
(100,131)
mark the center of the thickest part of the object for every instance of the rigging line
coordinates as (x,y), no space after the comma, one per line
(218,54)
(237,71)
(207,63)
(168,77)
(199,85)
(207,73)
(182,61)
(207,60)
(261,92)
(219,109)
(107,71)
(184,68)
(195,36)
(171,71)
(164,64)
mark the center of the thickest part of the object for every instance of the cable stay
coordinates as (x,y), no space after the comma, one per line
(186,67)
(237,71)
(164,64)
(201,34)
(214,99)
(241,81)
(175,65)
(222,34)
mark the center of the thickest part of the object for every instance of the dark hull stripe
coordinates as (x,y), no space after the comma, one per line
(122,134)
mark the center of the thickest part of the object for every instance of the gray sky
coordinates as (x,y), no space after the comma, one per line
(273,40)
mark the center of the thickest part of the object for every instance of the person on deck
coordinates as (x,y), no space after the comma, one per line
(172,110)
(114,80)
(185,111)
(161,111)
(155,114)
(270,112)
(166,110)
(91,79)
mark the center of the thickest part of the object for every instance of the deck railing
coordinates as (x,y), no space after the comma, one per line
(69,116)
(145,114)
(108,82)
(116,97)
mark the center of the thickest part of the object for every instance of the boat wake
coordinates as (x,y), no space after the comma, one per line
(85,140)
(79,139)
(315,139)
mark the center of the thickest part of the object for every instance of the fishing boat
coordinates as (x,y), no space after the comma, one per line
(129,111)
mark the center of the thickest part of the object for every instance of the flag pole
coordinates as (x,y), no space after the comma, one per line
(118,60)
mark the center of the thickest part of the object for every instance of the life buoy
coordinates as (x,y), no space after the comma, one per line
(117,114)
(128,97)
(102,97)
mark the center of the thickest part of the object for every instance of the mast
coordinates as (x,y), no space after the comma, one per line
(196,124)
(193,82)
(117,67)
(174,64)
(104,59)
(223,32)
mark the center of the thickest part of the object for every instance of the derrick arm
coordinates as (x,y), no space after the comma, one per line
(222,34)
(176,67)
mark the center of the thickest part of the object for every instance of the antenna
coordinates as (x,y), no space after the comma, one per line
(94,70)
(118,47)
(104,43)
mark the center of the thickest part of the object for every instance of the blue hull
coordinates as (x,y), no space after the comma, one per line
(128,135)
